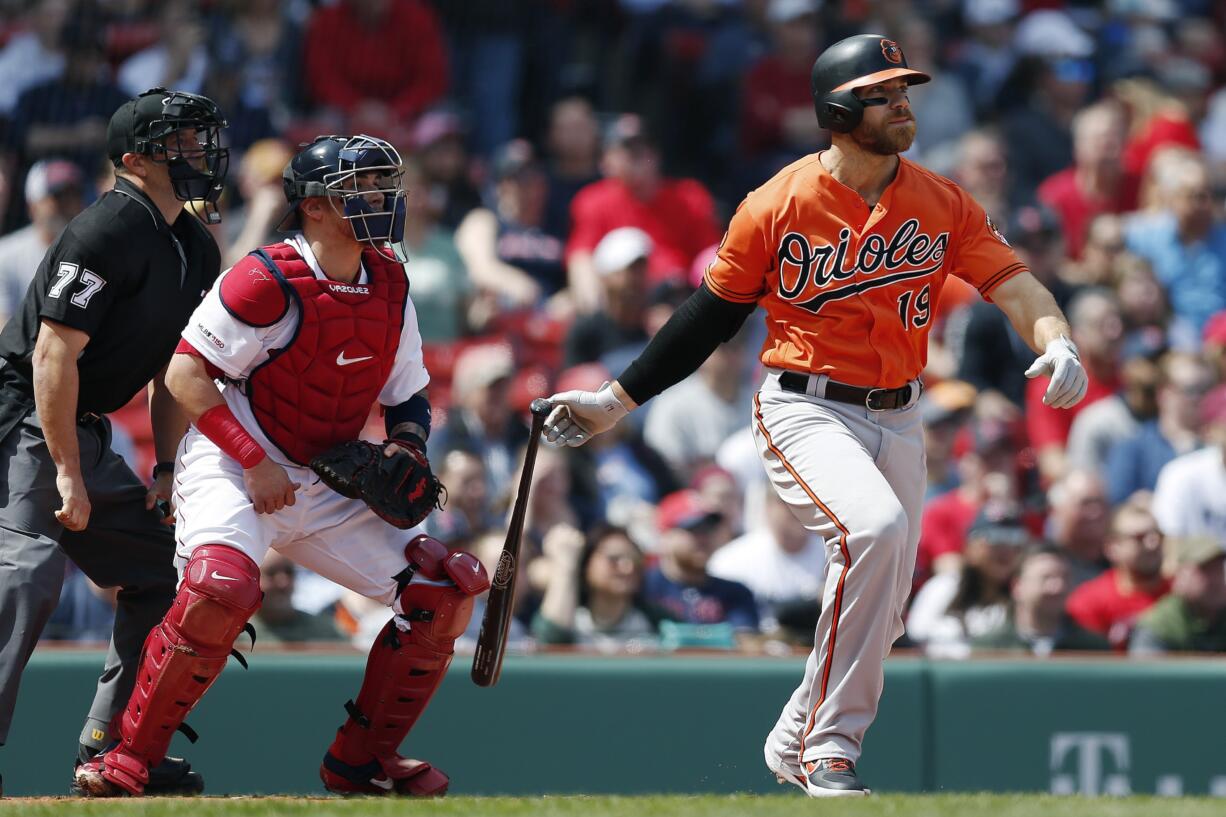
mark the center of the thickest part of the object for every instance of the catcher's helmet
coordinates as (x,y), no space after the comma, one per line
(330,167)
(855,62)
(181,130)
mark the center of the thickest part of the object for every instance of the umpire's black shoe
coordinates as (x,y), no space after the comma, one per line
(173,777)
(833,777)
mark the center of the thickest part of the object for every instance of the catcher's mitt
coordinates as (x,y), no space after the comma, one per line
(401,489)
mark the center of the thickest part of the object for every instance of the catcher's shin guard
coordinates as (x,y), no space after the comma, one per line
(406,665)
(181,659)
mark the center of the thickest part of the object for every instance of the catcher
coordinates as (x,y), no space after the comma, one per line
(278,370)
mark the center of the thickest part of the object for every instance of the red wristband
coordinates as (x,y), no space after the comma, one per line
(221,426)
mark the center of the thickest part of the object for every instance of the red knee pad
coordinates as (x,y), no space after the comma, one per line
(184,654)
(439,609)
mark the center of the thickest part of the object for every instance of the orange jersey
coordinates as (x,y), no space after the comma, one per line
(848,290)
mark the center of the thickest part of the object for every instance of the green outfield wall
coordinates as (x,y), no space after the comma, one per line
(571,724)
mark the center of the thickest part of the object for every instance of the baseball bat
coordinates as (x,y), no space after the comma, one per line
(492,641)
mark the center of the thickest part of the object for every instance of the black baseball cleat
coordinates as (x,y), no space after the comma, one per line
(173,777)
(833,777)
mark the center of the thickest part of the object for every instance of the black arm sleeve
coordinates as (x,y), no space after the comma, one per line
(689,337)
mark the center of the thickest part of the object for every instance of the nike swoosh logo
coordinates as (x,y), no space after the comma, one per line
(222,578)
(341,360)
(384,784)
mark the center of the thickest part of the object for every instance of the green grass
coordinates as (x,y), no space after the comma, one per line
(937,805)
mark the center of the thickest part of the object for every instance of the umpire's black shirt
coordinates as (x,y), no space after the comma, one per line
(123,276)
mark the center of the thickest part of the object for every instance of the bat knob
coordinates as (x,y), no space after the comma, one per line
(540,407)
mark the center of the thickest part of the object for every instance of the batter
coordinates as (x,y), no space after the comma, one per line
(846,252)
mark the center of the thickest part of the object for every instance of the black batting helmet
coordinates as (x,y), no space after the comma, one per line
(329,167)
(855,62)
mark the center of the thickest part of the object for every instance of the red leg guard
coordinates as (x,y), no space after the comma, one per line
(402,673)
(182,657)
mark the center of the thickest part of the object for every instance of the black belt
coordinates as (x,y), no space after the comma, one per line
(872,399)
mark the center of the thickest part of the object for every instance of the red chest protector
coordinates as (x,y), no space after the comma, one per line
(318,389)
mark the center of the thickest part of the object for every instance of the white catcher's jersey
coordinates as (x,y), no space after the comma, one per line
(238,348)
(339,538)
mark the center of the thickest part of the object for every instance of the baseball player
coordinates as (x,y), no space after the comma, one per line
(846,251)
(281,362)
(98,324)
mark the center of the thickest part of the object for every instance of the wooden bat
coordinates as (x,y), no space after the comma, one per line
(492,641)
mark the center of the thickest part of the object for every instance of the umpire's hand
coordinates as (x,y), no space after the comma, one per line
(74,512)
(577,416)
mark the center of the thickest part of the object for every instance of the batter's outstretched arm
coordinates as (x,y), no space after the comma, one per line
(689,337)
(1035,315)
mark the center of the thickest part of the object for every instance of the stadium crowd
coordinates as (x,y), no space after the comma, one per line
(571,164)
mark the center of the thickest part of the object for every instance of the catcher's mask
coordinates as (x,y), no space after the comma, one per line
(363,179)
(180,130)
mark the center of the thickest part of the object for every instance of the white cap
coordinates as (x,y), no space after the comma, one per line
(620,248)
(782,11)
(989,12)
(50,176)
(1051,33)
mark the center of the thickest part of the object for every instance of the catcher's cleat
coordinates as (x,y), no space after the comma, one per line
(833,777)
(386,776)
(173,777)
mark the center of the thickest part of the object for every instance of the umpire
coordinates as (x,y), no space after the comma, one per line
(100,321)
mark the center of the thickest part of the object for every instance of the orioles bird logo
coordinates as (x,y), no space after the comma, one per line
(891,51)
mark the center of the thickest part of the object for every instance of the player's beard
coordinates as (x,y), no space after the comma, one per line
(887,140)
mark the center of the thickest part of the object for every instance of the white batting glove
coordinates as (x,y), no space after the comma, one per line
(577,416)
(1068,377)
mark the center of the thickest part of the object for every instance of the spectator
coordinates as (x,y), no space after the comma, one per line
(54,194)
(488,549)
(592,598)
(33,56)
(1054,76)
(687,424)
(982,168)
(469,511)
(1164,109)
(988,468)
(67,116)
(678,214)
(1213,347)
(1192,617)
(679,588)
(255,223)
(1101,251)
(944,408)
(782,564)
(1134,462)
(550,506)
(1145,309)
(1190,497)
(377,61)
(442,290)
(259,42)
(777,125)
(942,104)
(1094,316)
(1037,622)
(1096,182)
(481,419)
(1110,603)
(719,491)
(438,140)
(986,58)
(954,607)
(1185,243)
(1078,524)
(620,260)
(573,151)
(1115,418)
(277,620)
(992,355)
(504,246)
(178,58)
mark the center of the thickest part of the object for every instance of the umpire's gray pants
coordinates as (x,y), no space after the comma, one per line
(124,546)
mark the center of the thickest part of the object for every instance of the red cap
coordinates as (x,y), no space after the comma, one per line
(682,509)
